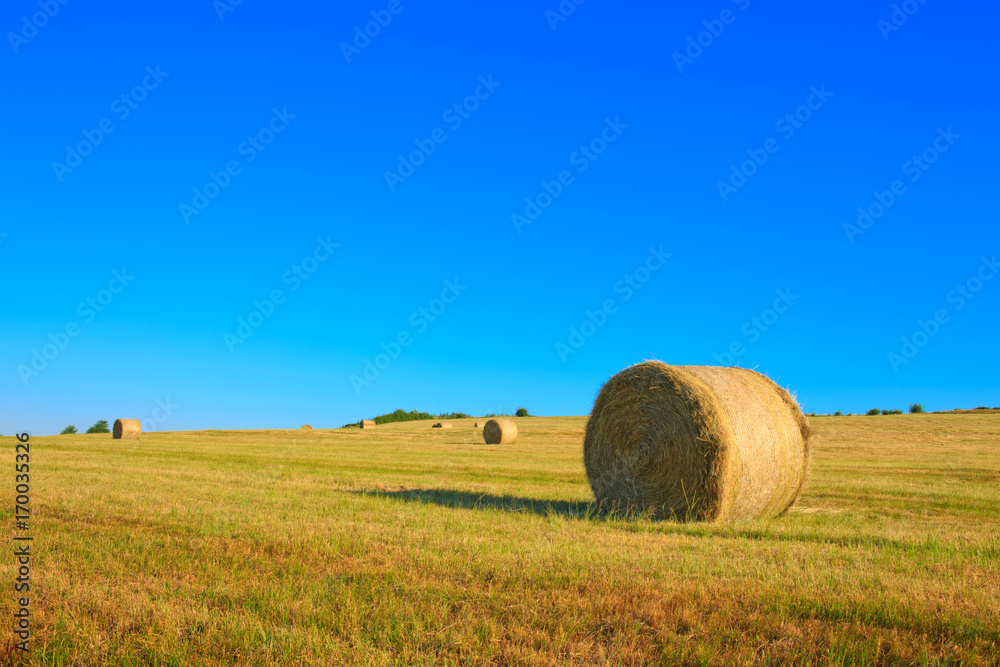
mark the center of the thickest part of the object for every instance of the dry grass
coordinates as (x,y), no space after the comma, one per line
(427,547)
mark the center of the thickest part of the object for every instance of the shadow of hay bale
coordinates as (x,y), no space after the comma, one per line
(515,504)
(631,520)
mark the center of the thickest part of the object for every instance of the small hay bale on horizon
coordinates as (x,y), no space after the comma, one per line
(127,429)
(442,425)
(367,423)
(700,443)
(306,427)
(500,432)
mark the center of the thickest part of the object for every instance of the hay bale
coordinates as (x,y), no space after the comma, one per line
(476,425)
(306,427)
(442,425)
(500,432)
(367,423)
(127,429)
(696,442)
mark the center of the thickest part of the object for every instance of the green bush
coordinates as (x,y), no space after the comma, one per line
(100,427)
(521,412)
(70,430)
(874,411)
(916,408)
(838,413)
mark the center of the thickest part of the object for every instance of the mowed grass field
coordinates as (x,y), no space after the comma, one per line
(407,545)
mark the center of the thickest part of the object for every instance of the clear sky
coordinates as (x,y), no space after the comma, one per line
(509,201)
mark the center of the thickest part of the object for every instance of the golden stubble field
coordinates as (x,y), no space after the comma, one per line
(407,545)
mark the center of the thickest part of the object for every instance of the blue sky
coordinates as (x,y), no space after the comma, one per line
(515,170)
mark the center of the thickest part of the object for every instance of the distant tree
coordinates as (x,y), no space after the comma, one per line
(916,408)
(521,412)
(838,414)
(100,427)
(412,415)
(452,415)
(402,416)
(69,430)
(874,411)
(895,412)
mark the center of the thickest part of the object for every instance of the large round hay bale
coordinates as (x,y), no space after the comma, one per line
(442,425)
(127,429)
(500,432)
(367,423)
(696,443)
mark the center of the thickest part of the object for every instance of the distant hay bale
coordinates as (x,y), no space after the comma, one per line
(500,432)
(367,423)
(127,429)
(700,443)
(442,425)
(476,425)
(306,427)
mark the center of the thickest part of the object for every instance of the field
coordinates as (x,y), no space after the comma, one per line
(406,545)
